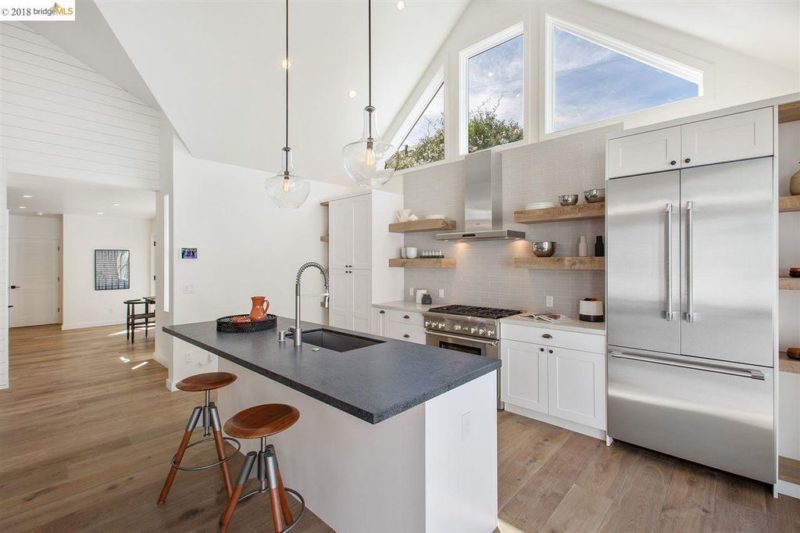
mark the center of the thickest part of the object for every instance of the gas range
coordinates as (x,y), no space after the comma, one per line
(472,321)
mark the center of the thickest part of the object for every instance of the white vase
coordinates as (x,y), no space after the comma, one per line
(583,249)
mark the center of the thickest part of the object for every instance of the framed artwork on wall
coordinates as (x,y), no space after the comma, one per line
(112,270)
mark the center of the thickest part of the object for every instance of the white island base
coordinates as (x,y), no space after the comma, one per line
(432,468)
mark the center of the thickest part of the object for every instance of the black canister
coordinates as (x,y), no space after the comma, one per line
(599,247)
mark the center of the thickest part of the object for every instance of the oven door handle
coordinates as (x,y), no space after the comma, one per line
(462,338)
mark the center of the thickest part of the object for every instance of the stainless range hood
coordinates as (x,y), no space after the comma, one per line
(483,201)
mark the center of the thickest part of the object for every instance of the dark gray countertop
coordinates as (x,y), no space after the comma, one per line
(372,383)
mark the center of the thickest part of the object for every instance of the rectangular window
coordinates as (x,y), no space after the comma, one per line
(494,95)
(425,141)
(592,78)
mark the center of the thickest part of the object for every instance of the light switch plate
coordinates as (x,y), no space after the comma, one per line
(441,293)
(549,301)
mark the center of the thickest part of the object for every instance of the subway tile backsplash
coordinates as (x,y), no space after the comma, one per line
(484,274)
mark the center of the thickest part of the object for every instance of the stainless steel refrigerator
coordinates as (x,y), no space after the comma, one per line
(691,310)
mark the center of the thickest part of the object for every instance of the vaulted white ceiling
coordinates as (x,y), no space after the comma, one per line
(215,70)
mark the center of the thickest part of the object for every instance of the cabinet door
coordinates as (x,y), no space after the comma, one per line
(653,151)
(340,226)
(378,322)
(524,375)
(341,304)
(730,138)
(361,282)
(362,232)
(577,386)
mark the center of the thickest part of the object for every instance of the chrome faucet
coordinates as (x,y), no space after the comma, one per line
(297,332)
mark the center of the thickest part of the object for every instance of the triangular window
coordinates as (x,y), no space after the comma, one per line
(425,141)
(593,78)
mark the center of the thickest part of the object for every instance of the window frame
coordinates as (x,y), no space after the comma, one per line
(496,39)
(652,59)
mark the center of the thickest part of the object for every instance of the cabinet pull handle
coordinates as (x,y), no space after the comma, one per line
(382,312)
(673,162)
(541,349)
(406,317)
(549,351)
(687,160)
(406,336)
(547,336)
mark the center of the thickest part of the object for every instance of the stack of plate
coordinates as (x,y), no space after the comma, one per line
(539,205)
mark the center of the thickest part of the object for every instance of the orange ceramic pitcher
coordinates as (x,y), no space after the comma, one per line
(259,311)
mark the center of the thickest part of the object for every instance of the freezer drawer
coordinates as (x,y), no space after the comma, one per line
(713,413)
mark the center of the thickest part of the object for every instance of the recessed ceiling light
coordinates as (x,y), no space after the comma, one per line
(115,204)
(99,212)
(490,74)
(352,94)
(39,213)
(401,5)
(23,207)
(286,64)
(27,196)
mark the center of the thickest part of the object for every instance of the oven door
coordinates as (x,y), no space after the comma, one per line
(459,343)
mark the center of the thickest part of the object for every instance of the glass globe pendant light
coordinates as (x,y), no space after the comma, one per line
(365,160)
(287,190)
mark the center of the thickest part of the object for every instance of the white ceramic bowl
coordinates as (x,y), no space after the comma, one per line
(411,252)
(435,217)
(539,205)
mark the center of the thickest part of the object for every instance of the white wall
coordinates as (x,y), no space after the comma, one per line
(246,246)
(83,306)
(62,119)
(730,77)
(4,380)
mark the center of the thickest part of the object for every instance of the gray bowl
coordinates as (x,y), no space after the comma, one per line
(595,195)
(543,248)
(568,199)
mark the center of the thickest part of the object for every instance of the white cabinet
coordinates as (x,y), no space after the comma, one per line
(729,138)
(577,386)
(362,300)
(653,151)
(398,324)
(351,303)
(559,374)
(716,140)
(524,375)
(350,232)
(378,322)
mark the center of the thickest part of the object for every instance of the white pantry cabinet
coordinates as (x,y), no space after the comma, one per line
(360,246)
(554,375)
(717,140)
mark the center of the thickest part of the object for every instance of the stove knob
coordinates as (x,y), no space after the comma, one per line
(457,327)
(427,323)
(440,325)
(473,330)
(481,331)
(490,333)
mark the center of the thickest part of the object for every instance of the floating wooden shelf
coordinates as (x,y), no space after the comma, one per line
(422,225)
(324,204)
(789,469)
(561,263)
(555,214)
(789,365)
(324,238)
(789,203)
(789,112)
(789,284)
(440,262)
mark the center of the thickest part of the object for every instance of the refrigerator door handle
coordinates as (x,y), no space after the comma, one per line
(691,316)
(669,314)
(717,369)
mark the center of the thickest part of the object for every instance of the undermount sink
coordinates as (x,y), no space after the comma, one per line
(336,340)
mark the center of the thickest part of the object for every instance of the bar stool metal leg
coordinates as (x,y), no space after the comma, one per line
(244,475)
(216,428)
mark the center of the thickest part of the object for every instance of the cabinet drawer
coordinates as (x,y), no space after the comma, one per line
(405,332)
(586,342)
(404,317)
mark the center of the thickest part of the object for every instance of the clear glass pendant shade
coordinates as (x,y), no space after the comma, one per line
(287,190)
(365,160)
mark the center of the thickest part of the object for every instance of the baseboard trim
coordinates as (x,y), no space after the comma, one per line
(96,324)
(555,421)
(788,489)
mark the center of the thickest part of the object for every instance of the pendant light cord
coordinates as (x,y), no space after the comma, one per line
(286,58)
(369,60)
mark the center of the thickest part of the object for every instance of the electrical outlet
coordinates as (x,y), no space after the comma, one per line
(441,293)
(411,291)
(549,301)
(188,358)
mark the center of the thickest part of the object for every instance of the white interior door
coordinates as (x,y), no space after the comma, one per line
(34,266)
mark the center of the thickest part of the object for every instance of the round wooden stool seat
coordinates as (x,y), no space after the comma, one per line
(207,381)
(261,421)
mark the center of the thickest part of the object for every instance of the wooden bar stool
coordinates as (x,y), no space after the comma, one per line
(261,422)
(211,424)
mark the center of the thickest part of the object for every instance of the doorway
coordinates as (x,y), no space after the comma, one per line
(34,259)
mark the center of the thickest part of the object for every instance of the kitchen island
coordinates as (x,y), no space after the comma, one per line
(393,436)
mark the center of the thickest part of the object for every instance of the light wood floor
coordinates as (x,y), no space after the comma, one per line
(86,439)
